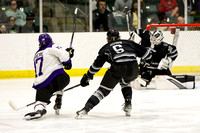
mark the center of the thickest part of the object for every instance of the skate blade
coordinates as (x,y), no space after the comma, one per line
(57,112)
(78,116)
(128,113)
(28,117)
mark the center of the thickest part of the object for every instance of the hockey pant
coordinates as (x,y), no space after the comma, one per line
(123,74)
(57,84)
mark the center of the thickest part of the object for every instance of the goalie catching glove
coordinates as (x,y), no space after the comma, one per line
(165,63)
(85,79)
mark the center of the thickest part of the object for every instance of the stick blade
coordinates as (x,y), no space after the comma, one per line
(13,106)
(75,11)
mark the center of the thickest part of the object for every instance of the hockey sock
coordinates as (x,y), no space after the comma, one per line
(40,105)
(127,93)
(96,98)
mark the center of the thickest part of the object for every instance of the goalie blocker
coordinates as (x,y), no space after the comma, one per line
(175,82)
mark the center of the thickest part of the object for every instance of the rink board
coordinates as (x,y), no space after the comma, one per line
(79,72)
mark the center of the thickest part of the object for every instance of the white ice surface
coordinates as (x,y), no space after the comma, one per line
(154,111)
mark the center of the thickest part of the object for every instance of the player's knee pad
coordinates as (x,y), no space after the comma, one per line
(40,105)
(59,92)
(124,84)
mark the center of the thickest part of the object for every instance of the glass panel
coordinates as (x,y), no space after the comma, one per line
(58,15)
(164,11)
(17,16)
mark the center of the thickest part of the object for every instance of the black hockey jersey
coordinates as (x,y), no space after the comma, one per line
(160,51)
(117,52)
(163,50)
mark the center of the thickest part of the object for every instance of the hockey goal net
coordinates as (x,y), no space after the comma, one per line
(187,39)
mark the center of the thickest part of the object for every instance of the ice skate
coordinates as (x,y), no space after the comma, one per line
(81,113)
(127,107)
(58,103)
(35,115)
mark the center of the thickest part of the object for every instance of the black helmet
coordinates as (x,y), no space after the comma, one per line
(112,35)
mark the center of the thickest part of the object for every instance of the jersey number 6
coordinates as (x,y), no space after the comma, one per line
(118,48)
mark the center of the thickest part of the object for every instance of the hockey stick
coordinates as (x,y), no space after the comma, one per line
(175,41)
(14,107)
(74,26)
(176,36)
(127,11)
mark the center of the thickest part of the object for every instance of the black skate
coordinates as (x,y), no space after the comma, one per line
(58,103)
(81,113)
(127,107)
(35,115)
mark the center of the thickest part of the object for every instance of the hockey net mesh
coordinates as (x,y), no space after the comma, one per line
(188,46)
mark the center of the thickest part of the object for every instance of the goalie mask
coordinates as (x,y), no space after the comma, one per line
(44,39)
(112,35)
(156,37)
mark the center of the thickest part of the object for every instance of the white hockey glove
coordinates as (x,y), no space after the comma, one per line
(165,63)
(135,37)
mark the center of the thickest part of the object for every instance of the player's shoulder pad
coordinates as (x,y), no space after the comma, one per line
(56,46)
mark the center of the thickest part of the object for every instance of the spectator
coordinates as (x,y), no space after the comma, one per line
(103,19)
(3,17)
(11,25)
(180,20)
(192,7)
(169,8)
(25,5)
(180,4)
(134,16)
(30,26)
(194,10)
(3,28)
(163,20)
(154,20)
(18,14)
(94,5)
(121,4)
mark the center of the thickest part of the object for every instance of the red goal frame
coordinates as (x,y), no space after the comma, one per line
(172,25)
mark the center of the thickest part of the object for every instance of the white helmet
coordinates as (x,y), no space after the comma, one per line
(156,37)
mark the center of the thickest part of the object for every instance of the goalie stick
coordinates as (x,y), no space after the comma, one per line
(14,107)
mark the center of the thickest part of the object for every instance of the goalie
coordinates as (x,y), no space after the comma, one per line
(162,57)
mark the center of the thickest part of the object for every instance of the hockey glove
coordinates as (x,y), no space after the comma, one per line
(85,80)
(165,63)
(68,65)
(71,52)
(135,37)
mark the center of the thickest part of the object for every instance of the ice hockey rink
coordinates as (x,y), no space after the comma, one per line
(154,111)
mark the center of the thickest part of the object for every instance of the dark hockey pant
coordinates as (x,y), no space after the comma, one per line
(120,73)
(57,84)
